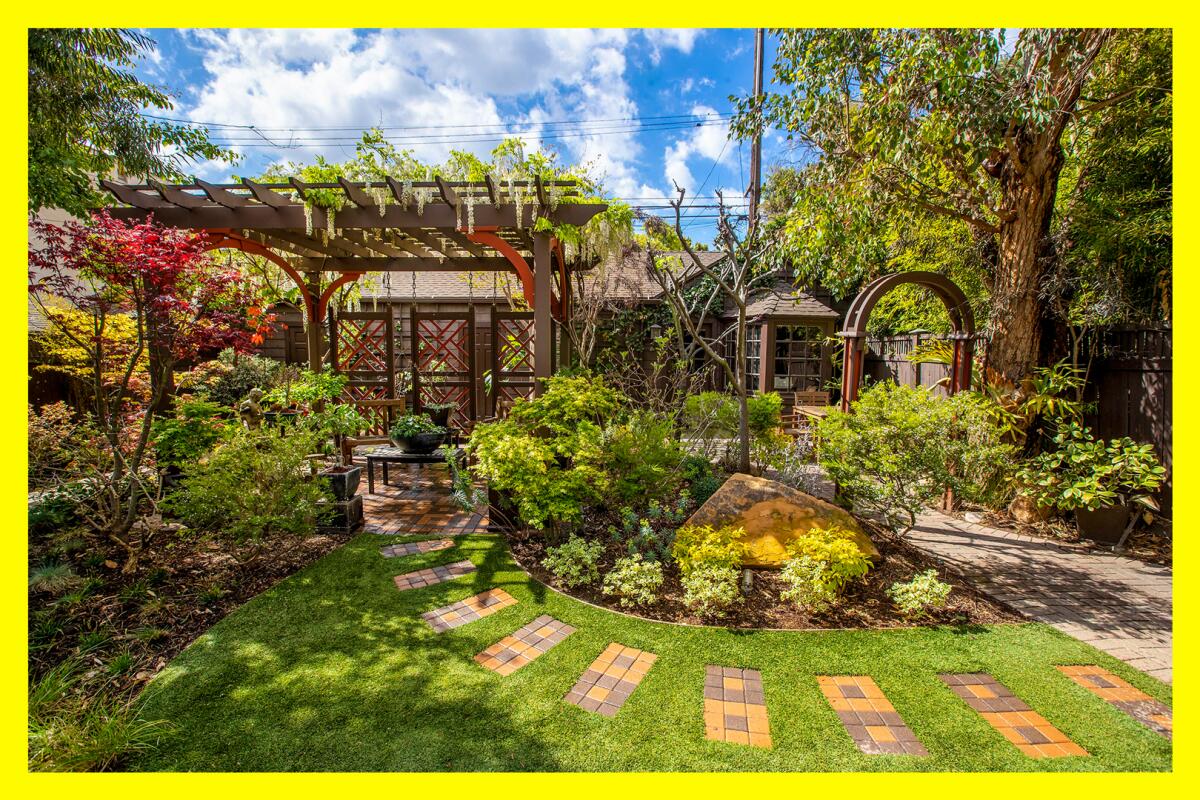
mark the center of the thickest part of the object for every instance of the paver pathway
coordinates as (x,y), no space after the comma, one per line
(869,716)
(1028,730)
(1116,604)
(610,680)
(418,504)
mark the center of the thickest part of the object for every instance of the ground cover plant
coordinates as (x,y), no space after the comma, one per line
(366,684)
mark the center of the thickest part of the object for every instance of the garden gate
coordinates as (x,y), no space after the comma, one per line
(443,358)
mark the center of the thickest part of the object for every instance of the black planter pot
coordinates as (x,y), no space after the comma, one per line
(419,444)
(343,481)
(1104,525)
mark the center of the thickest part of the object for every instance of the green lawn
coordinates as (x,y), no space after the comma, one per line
(334,669)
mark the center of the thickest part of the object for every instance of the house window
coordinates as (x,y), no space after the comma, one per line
(753,355)
(798,358)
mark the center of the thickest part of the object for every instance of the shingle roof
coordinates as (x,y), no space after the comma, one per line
(445,286)
(628,277)
(782,300)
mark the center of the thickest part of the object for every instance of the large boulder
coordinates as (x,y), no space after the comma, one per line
(774,515)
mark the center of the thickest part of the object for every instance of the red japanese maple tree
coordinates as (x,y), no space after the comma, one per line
(182,303)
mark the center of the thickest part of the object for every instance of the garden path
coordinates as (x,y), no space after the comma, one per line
(1116,604)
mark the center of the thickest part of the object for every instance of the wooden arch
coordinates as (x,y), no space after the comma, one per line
(854,332)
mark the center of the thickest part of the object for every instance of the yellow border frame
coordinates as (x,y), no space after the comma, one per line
(665,13)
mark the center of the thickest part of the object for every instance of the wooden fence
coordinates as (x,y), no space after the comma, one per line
(1129,384)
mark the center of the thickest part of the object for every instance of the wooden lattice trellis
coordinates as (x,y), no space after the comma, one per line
(443,347)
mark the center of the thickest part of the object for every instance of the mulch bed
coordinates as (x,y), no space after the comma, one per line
(865,604)
(182,587)
(1150,544)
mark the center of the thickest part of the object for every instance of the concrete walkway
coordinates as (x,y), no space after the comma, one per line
(1116,604)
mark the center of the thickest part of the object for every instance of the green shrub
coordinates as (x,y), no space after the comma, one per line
(253,486)
(305,390)
(710,589)
(808,584)
(548,454)
(50,435)
(698,546)
(634,581)
(58,507)
(642,456)
(191,433)
(836,549)
(717,413)
(414,425)
(1083,472)
(229,379)
(900,448)
(575,562)
(920,595)
(763,412)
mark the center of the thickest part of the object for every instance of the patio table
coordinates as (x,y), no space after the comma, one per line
(393,455)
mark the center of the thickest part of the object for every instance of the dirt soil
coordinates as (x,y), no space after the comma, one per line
(1149,543)
(865,604)
(182,587)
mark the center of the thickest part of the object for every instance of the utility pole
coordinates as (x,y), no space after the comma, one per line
(756,142)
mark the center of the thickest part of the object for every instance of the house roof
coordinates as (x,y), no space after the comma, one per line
(782,300)
(481,287)
(628,276)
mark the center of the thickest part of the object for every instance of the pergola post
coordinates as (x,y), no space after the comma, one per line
(543,327)
(852,364)
(313,284)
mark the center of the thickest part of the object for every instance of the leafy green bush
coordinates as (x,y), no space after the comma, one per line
(807,584)
(710,589)
(191,433)
(634,581)
(229,378)
(548,454)
(253,486)
(50,435)
(764,412)
(699,546)
(920,595)
(307,389)
(1083,472)
(642,456)
(58,507)
(575,562)
(836,549)
(717,413)
(900,448)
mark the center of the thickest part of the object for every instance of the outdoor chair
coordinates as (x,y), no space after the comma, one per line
(807,409)
(392,408)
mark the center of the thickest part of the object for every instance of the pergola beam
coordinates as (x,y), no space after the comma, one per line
(405,264)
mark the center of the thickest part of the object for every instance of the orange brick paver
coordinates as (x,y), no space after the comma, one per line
(868,715)
(513,652)
(735,708)
(611,679)
(428,577)
(479,606)
(1028,730)
(416,548)
(1133,701)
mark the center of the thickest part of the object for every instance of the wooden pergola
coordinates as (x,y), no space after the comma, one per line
(389,226)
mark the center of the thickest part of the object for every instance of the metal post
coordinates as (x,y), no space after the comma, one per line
(543,328)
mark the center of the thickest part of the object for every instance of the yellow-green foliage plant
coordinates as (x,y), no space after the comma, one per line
(836,549)
(705,546)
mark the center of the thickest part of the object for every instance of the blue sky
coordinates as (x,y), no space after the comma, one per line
(627,100)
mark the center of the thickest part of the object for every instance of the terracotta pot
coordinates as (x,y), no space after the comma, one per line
(1104,525)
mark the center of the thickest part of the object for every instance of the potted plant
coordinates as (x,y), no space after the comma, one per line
(416,433)
(439,412)
(1099,480)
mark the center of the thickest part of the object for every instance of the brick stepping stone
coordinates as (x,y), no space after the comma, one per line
(1145,709)
(1028,730)
(611,678)
(735,709)
(513,652)
(415,548)
(869,717)
(477,607)
(428,577)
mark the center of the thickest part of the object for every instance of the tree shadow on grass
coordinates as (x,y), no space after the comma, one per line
(334,669)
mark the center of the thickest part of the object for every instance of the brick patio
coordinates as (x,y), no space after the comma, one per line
(1116,604)
(417,505)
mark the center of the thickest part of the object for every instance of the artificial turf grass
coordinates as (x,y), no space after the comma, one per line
(334,669)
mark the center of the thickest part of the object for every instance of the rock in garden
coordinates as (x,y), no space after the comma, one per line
(774,515)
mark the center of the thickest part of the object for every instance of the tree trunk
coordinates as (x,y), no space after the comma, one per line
(1028,191)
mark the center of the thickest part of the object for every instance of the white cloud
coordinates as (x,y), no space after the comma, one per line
(708,142)
(681,39)
(467,78)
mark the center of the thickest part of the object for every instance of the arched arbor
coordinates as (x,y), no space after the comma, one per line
(854,332)
(400,227)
